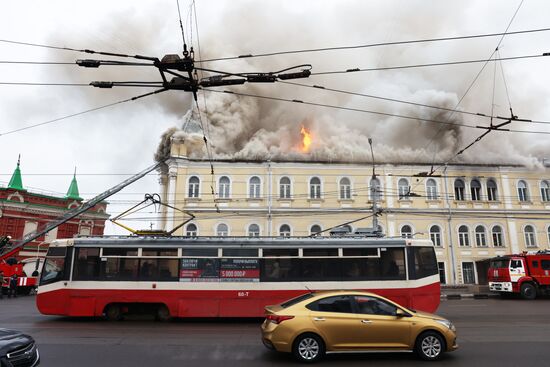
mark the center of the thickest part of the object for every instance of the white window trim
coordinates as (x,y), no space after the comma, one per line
(527,191)
(246,228)
(279,229)
(469,235)
(437,194)
(413,231)
(440,233)
(216,228)
(487,238)
(196,226)
(291,187)
(230,186)
(189,186)
(321,188)
(339,188)
(502,232)
(535,235)
(405,197)
(248,187)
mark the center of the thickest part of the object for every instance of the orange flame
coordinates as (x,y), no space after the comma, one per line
(306,139)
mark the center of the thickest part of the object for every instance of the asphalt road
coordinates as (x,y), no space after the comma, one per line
(492,332)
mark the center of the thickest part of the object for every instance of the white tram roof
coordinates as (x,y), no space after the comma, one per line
(233,242)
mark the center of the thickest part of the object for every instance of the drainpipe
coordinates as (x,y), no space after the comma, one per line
(450,230)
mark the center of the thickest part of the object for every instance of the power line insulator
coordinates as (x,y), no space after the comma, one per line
(261,78)
(298,75)
(87,63)
(102,84)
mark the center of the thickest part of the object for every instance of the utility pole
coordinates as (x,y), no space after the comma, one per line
(450,229)
(373,190)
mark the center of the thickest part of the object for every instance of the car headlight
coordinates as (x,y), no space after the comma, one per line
(447,323)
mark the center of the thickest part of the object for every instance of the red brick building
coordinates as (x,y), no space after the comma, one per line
(23,211)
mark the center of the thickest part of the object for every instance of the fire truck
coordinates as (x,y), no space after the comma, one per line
(526,274)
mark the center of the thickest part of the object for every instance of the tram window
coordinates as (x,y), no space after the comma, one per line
(119,252)
(158,269)
(160,252)
(279,270)
(360,252)
(117,268)
(392,264)
(86,266)
(318,252)
(354,269)
(57,252)
(280,252)
(200,252)
(240,252)
(320,269)
(422,262)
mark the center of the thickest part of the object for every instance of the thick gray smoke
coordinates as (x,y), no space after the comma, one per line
(246,128)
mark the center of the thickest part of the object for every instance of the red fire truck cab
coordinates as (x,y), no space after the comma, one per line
(526,274)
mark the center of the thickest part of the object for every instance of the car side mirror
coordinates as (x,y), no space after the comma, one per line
(400,313)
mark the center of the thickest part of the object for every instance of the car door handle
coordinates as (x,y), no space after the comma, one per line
(318,319)
(366,321)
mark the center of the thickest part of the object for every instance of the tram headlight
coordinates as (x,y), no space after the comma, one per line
(448,324)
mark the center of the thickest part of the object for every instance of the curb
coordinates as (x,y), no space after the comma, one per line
(457,296)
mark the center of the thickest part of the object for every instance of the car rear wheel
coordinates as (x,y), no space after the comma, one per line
(528,291)
(308,348)
(430,346)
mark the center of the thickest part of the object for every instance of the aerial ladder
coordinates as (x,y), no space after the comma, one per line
(10,251)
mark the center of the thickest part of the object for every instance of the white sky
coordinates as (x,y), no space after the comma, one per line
(107,145)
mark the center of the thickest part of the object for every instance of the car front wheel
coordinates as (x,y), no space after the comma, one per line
(308,348)
(528,291)
(430,346)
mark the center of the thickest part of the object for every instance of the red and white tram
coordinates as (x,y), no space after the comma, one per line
(228,277)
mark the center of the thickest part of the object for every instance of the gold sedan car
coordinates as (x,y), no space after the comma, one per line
(329,322)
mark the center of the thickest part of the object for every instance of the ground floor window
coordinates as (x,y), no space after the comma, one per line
(441,267)
(468,274)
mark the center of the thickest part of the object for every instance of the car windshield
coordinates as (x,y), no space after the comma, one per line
(296,300)
(500,263)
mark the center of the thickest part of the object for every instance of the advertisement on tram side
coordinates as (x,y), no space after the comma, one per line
(219,270)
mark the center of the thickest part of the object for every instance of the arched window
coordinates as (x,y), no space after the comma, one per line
(315,188)
(345,188)
(375,189)
(492,190)
(194,185)
(530,236)
(253,230)
(224,187)
(284,230)
(481,237)
(222,230)
(191,230)
(315,229)
(463,236)
(404,188)
(498,239)
(523,194)
(284,188)
(475,189)
(254,187)
(431,189)
(459,189)
(406,231)
(544,191)
(435,235)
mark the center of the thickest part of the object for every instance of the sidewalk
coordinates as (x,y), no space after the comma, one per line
(467,291)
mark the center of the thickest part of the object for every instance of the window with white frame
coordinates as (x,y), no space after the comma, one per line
(375,190)
(315,229)
(284,188)
(254,230)
(315,188)
(224,187)
(492,194)
(459,189)
(545,191)
(431,189)
(475,190)
(345,188)
(191,230)
(523,194)
(498,238)
(435,235)
(481,237)
(403,188)
(463,236)
(284,230)
(222,230)
(194,185)
(406,231)
(530,236)
(254,187)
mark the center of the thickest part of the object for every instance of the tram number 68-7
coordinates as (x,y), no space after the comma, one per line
(242,294)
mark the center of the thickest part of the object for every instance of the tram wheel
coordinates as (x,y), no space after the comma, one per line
(113,312)
(163,314)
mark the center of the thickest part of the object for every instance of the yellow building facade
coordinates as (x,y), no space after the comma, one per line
(471,212)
